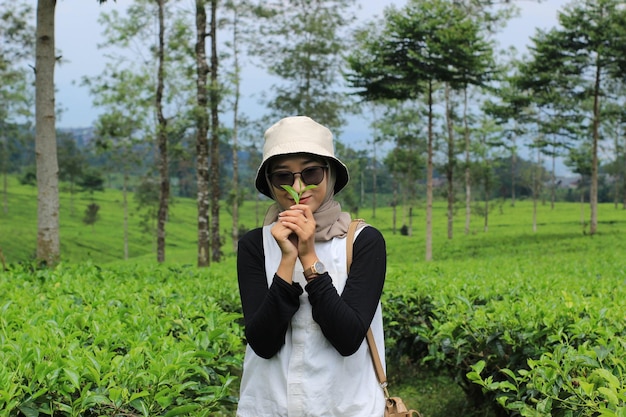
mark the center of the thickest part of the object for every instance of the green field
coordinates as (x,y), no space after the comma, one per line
(104,336)
(510,229)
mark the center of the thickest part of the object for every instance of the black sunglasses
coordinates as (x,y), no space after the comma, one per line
(309,176)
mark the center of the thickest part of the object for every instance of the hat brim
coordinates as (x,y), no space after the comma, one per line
(342,176)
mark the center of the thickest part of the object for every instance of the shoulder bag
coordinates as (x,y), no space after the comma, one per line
(394,407)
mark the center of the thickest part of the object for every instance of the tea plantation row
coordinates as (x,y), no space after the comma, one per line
(531,335)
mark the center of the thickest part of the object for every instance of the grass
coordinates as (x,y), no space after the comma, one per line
(509,251)
(510,229)
(431,395)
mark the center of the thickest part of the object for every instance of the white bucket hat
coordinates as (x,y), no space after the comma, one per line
(299,134)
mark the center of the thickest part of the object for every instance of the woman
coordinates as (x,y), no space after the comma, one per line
(305,317)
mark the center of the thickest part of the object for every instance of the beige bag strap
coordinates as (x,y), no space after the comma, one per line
(378,366)
(354,225)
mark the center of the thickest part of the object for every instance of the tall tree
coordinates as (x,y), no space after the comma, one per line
(421,45)
(202,128)
(214,172)
(450,165)
(235,191)
(164,189)
(582,55)
(116,136)
(614,127)
(490,19)
(301,43)
(489,141)
(235,8)
(126,99)
(48,243)
(510,108)
(580,162)
(157,33)
(556,122)
(405,161)
(536,178)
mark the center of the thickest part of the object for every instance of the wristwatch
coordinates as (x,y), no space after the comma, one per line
(315,269)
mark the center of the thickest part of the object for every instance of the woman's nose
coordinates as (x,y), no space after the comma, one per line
(297,182)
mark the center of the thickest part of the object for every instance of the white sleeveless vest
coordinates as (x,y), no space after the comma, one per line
(308,377)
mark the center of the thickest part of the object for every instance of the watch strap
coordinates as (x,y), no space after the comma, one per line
(310,271)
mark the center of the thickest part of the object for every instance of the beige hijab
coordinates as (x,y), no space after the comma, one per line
(330,221)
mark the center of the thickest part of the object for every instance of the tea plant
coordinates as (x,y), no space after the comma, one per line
(90,341)
(297,195)
(587,380)
(527,334)
(530,323)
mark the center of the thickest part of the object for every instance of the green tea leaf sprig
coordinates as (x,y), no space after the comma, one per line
(295,194)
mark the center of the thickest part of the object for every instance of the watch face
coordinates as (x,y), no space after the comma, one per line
(319,267)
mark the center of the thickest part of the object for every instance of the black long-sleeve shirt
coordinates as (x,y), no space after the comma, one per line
(344,319)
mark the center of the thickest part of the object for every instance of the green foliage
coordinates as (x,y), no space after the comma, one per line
(29,177)
(426,41)
(91,214)
(523,322)
(301,42)
(71,158)
(91,181)
(587,380)
(89,341)
(296,195)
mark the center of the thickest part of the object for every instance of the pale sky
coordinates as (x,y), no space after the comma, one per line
(78,33)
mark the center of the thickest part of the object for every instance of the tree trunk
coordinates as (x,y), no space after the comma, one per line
(450,163)
(616,183)
(487,195)
(202,143)
(362,203)
(235,187)
(429,178)
(623,175)
(125,203)
(48,245)
(214,175)
(468,185)
(593,190)
(164,192)
(486,224)
(535,182)
(4,162)
(72,196)
(395,206)
(374,182)
(582,210)
(553,174)
(620,170)
(513,169)
(535,201)
(5,193)
(3,261)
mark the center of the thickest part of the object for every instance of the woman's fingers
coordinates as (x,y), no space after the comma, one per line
(300,216)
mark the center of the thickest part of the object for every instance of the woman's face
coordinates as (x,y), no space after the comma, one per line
(280,172)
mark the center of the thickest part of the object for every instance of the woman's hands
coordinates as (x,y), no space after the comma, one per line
(295,234)
(295,231)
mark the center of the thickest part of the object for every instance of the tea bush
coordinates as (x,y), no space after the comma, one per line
(530,323)
(531,335)
(135,341)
